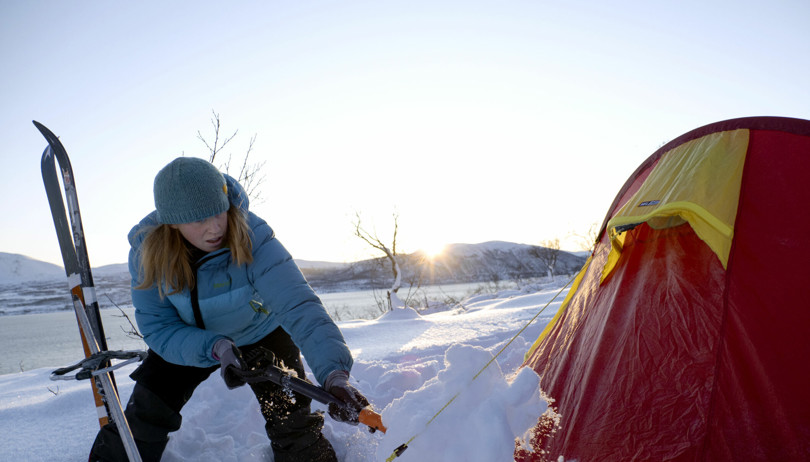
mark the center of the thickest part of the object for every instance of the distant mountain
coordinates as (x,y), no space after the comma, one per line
(32,286)
(15,268)
(318,265)
(486,262)
(109,270)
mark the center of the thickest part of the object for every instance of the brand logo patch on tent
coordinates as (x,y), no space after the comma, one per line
(648,203)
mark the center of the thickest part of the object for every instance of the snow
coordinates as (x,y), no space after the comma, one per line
(410,366)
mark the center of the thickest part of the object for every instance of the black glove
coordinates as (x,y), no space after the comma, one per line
(337,383)
(230,358)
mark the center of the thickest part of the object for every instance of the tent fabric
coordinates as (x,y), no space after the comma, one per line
(574,288)
(679,354)
(697,182)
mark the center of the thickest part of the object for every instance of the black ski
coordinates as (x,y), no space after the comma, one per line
(80,282)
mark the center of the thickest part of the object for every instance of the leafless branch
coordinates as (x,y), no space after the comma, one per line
(133,331)
(250,174)
(216,148)
(588,240)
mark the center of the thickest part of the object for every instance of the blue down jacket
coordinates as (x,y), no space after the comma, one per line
(243,303)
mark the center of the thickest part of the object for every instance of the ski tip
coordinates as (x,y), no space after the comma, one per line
(44,130)
(50,137)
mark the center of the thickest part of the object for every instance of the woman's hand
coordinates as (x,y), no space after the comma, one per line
(337,383)
(229,357)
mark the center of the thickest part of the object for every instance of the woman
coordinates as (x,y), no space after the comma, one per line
(211,282)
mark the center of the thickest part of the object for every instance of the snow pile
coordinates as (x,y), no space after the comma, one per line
(486,414)
(409,366)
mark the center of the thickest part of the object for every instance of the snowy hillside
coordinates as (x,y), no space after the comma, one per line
(15,269)
(491,246)
(458,263)
(32,286)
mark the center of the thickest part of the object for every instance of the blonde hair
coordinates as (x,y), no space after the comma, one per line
(166,259)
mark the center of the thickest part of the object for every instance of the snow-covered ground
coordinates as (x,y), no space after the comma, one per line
(409,366)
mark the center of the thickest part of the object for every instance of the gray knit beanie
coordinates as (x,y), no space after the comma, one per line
(189,189)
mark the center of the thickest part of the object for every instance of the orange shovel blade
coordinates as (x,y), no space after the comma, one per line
(372,419)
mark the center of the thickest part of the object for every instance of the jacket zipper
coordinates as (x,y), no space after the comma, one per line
(195,298)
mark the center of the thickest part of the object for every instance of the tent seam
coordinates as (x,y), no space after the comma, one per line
(723,331)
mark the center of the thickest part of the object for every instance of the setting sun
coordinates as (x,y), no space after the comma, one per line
(434,250)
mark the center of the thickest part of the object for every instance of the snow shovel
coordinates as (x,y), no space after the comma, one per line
(263,368)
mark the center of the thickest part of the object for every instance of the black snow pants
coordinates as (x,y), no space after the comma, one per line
(162,389)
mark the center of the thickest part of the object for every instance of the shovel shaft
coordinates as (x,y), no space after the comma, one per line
(275,374)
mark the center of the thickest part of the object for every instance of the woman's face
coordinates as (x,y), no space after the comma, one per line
(207,235)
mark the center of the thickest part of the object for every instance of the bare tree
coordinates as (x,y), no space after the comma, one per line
(390,254)
(588,240)
(547,252)
(250,175)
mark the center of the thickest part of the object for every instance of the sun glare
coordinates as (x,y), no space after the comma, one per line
(433,251)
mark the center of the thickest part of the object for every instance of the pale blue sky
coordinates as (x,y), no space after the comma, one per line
(474,120)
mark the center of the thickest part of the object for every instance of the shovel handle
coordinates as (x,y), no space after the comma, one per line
(273,373)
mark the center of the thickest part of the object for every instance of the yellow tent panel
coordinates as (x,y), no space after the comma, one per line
(697,182)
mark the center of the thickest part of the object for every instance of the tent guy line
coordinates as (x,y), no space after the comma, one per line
(401,448)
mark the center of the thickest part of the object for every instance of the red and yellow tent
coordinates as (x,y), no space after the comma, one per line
(686,336)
